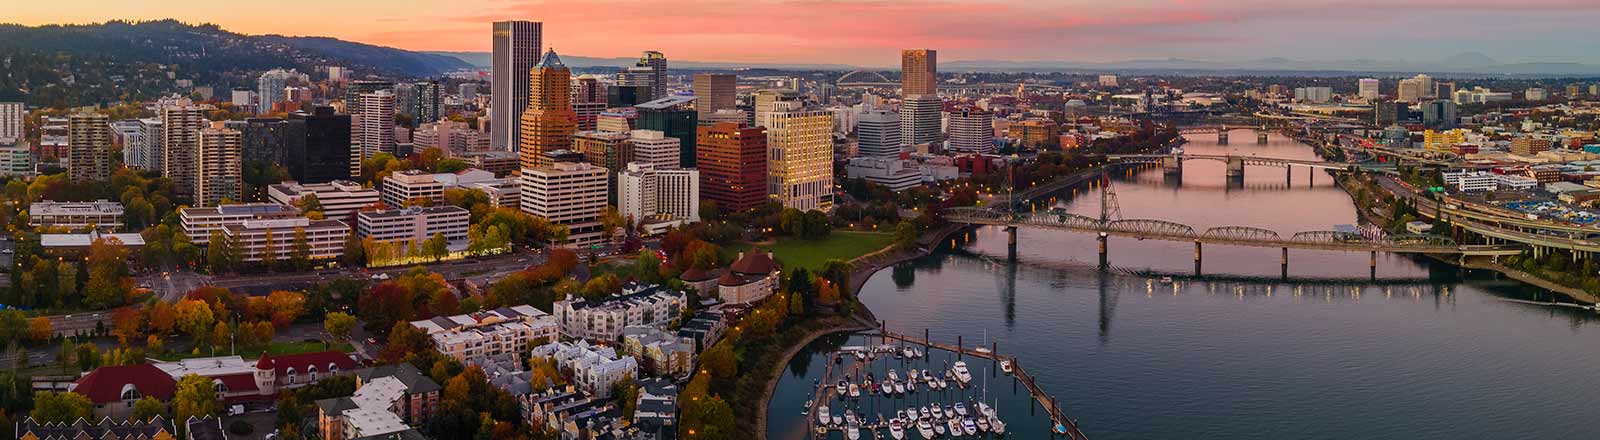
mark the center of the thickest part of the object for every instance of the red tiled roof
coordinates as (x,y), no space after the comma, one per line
(320,359)
(238,383)
(105,384)
(754,263)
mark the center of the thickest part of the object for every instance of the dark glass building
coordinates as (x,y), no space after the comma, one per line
(318,149)
(671,115)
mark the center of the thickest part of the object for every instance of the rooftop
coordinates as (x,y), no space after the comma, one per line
(97,207)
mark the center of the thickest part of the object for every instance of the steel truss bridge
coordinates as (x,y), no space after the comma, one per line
(1153,229)
(1245,160)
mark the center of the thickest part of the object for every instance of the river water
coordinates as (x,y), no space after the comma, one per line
(1420,351)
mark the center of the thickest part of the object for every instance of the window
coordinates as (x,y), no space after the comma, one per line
(333,369)
(222,388)
(131,393)
(290,371)
(312,372)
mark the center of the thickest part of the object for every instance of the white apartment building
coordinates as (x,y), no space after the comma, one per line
(878,133)
(104,215)
(398,188)
(498,335)
(658,198)
(800,157)
(11,117)
(219,172)
(972,131)
(654,147)
(1367,88)
(325,237)
(594,368)
(16,159)
(571,194)
(340,199)
(603,320)
(415,224)
(199,223)
(376,126)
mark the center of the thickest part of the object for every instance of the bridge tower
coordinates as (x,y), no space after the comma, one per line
(1222,135)
(1110,210)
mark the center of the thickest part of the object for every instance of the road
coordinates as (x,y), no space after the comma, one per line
(171,286)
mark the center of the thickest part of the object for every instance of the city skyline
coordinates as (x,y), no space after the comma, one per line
(868,33)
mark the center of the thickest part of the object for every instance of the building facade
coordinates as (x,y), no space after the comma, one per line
(570,194)
(88,147)
(658,198)
(800,158)
(733,165)
(919,72)
(414,224)
(549,122)
(517,45)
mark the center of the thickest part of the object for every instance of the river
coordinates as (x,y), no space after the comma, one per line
(1420,351)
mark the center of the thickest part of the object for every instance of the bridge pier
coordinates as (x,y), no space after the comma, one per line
(1197,257)
(1285,262)
(1103,261)
(1261,137)
(1236,167)
(1172,165)
(1288,175)
(1011,243)
(1372,264)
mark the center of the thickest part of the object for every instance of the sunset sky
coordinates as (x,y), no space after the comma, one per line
(869,32)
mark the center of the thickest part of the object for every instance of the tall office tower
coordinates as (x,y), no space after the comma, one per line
(468,92)
(732,160)
(800,157)
(549,122)
(377,125)
(878,132)
(768,100)
(88,146)
(919,72)
(1415,89)
(218,172)
(516,50)
(650,71)
(672,116)
(919,119)
(320,148)
(646,193)
(588,88)
(11,116)
(405,99)
(264,140)
(149,145)
(569,194)
(714,91)
(180,139)
(1444,90)
(425,103)
(588,114)
(654,147)
(972,131)
(1367,88)
(1425,83)
(269,89)
(1439,114)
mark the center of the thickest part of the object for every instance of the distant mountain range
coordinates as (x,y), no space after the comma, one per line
(1470,63)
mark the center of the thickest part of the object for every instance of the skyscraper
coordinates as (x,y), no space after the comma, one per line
(218,172)
(319,146)
(650,71)
(569,194)
(425,103)
(516,50)
(11,116)
(587,89)
(88,146)
(919,119)
(919,72)
(377,125)
(767,101)
(1367,88)
(152,151)
(800,157)
(972,131)
(549,122)
(672,116)
(269,89)
(732,159)
(878,132)
(180,139)
(714,91)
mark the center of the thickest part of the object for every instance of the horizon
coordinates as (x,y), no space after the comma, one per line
(870,33)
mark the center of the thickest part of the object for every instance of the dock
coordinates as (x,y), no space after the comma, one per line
(1063,425)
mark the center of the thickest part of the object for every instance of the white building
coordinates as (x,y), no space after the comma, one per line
(972,131)
(878,133)
(16,159)
(148,151)
(415,224)
(340,199)
(101,214)
(218,170)
(1108,80)
(11,117)
(570,194)
(325,238)
(655,147)
(199,223)
(603,320)
(1367,88)
(658,198)
(594,368)
(895,173)
(498,335)
(411,185)
(919,119)
(1313,94)
(376,126)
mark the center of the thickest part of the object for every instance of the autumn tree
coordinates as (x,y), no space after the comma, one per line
(60,407)
(107,264)
(148,407)
(195,396)
(39,329)
(286,307)
(128,324)
(300,250)
(194,317)
(339,325)
(162,317)
(269,252)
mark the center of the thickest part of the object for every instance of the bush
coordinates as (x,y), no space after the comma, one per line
(240,427)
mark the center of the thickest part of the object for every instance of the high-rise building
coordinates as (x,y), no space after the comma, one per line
(919,72)
(88,146)
(149,146)
(549,122)
(654,147)
(517,45)
(972,131)
(569,194)
(588,89)
(11,116)
(878,133)
(800,157)
(919,119)
(1439,113)
(732,159)
(671,115)
(1444,90)
(269,89)
(589,114)
(1367,88)
(319,150)
(423,103)
(1414,89)
(264,140)
(218,171)
(353,92)
(714,91)
(649,195)
(468,92)
(650,71)
(768,100)
(377,126)
(180,140)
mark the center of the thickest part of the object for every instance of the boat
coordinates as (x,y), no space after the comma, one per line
(955,426)
(983,424)
(985,409)
(925,413)
(899,388)
(962,374)
(840,387)
(938,427)
(926,429)
(968,427)
(961,409)
(852,433)
(896,429)
(850,416)
(894,376)
(938,413)
(1166,280)
(806,409)
(1005,366)
(997,426)
(822,415)
(855,390)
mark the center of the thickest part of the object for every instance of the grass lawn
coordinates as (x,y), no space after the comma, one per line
(810,254)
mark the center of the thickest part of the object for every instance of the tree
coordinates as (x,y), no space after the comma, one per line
(339,325)
(219,253)
(148,407)
(309,203)
(286,307)
(905,234)
(601,286)
(436,247)
(719,361)
(162,318)
(269,252)
(195,396)
(128,324)
(195,318)
(300,250)
(107,262)
(39,329)
(647,267)
(60,407)
(355,254)
(88,356)
(627,392)
(610,221)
